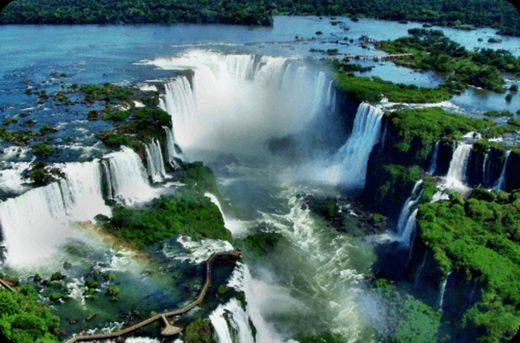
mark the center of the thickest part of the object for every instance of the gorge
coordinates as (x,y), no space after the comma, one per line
(357,219)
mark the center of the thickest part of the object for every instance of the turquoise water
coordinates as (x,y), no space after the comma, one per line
(97,54)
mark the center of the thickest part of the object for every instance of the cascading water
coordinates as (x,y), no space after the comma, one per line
(233,225)
(433,163)
(407,218)
(236,323)
(235,103)
(126,177)
(330,279)
(37,223)
(231,323)
(409,228)
(485,168)
(501,182)
(443,290)
(456,177)
(81,189)
(351,160)
(155,161)
(12,176)
(421,268)
(171,149)
(179,102)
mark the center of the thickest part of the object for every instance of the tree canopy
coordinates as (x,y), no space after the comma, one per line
(463,14)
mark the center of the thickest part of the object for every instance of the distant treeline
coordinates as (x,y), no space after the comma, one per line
(499,14)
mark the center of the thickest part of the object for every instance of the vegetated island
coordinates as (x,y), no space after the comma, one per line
(24,312)
(463,240)
(461,14)
(431,50)
(488,221)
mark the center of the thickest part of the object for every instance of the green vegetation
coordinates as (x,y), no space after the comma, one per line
(480,238)
(410,137)
(413,132)
(199,331)
(135,127)
(374,89)
(107,92)
(326,207)
(23,320)
(16,137)
(327,337)
(409,320)
(116,140)
(497,114)
(199,177)
(260,243)
(129,12)
(458,14)
(41,175)
(116,115)
(186,212)
(432,50)
(396,178)
(42,149)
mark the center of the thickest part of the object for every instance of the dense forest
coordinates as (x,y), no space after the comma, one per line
(432,50)
(463,14)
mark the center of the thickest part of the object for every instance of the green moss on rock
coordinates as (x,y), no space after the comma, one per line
(480,237)
(199,331)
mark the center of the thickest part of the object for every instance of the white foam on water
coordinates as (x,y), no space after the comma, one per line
(37,223)
(155,161)
(236,226)
(11,177)
(456,177)
(235,103)
(198,251)
(127,178)
(348,166)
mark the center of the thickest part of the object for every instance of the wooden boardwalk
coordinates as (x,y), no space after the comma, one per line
(169,330)
(6,285)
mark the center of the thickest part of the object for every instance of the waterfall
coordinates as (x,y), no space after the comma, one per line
(126,177)
(456,177)
(331,97)
(354,154)
(179,102)
(37,223)
(235,103)
(234,323)
(12,178)
(501,182)
(443,290)
(433,163)
(231,323)
(409,228)
(155,161)
(171,149)
(383,137)
(233,225)
(485,167)
(408,206)
(420,269)
(407,218)
(81,190)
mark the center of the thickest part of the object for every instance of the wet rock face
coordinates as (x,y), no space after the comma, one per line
(512,176)
(444,157)
(348,108)
(484,166)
